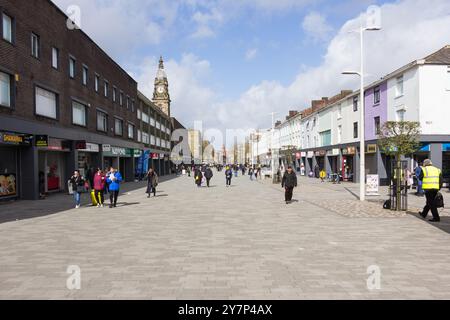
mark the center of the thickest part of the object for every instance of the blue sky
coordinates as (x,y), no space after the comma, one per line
(231,62)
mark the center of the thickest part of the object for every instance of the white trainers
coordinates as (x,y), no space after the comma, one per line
(101,205)
(98,205)
(77,206)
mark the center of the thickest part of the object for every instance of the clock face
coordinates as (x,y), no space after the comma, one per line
(160,89)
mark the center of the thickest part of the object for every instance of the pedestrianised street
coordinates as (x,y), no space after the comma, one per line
(240,242)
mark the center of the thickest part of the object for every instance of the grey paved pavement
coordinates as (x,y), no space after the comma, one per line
(241,242)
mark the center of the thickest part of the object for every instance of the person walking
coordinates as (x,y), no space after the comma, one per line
(250,173)
(289,182)
(417,172)
(114,179)
(432,181)
(99,187)
(198,176)
(152,182)
(243,169)
(228,176)
(78,186)
(208,175)
(323,175)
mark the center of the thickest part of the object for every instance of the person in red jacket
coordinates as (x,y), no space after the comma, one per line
(99,187)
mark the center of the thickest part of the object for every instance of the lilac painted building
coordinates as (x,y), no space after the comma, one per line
(375,109)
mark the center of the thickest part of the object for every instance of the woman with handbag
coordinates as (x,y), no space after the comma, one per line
(78,187)
(152,182)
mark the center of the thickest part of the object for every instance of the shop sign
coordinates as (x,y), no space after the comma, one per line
(8,185)
(118,151)
(372,184)
(310,154)
(446,147)
(425,148)
(58,145)
(333,152)
(371,148)
(351,150)
(303,154)
(106,148)
(80,145)
(41,141)
(320,153)
(137,153)
(161,155)
(90,147)
(345,152)
(154,156)
(15,138)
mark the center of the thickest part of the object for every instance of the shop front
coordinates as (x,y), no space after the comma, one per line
(10,173)
(119,158)
(88,158)
(371,159)
(309,162)
(347,165)
(53,155)
(320,158)
(333,161)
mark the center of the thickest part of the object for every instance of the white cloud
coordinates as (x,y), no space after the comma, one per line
(109,23)
(206,22)
(251,54)
(398,43)
(316,27)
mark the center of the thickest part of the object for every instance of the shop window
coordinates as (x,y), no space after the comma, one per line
(5,90)
(79,112)
(8,172)
(102,121)
(46,103)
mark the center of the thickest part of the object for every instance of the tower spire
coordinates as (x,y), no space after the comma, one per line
(161,62)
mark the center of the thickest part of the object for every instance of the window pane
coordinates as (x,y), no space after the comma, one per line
(35,45)
(102,122)
(45,103)
(85,75)
(79,113)
(118,127)
(72,68)
(5,89)
(7,28)
(96,83)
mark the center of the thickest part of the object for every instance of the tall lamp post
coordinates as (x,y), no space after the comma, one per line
(362,146)
(271,146)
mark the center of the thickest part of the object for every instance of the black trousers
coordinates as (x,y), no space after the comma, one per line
(431,204)
(151,189)
(207,181)
(288,193)
(113,195)
(228,181)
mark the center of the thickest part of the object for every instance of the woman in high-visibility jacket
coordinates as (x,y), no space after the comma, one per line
(432,181)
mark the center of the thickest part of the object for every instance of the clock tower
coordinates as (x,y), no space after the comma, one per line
(161,96)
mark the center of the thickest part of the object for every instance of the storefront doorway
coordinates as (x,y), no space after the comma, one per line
(347,168)
(52,168)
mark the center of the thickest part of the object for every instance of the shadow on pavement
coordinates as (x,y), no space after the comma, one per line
(444,225)
(59,202)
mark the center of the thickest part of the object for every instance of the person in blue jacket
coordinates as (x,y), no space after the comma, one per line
(114,179)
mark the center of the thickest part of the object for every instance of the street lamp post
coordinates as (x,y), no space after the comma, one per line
(362,146)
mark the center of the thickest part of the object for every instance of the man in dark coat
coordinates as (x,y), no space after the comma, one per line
(208,175)
(198,176)
(289,182)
